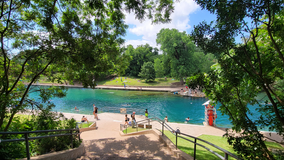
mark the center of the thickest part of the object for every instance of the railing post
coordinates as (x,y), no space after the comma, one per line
(163,129)
(136,127)
(226,156)
(27,146)
(71,139)
(176,140)
(79,135)
(194,157)
(148,121)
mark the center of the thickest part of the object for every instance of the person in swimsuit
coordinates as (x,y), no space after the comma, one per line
(166,119)
(84,119)
(95,112)
(126,120)
(133,119)
(187,120)
(146,113)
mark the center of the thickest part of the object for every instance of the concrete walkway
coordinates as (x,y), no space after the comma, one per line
(109,123)
(106,142)
(133,147)
(137,88)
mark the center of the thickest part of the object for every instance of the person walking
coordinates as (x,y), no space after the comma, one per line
(126,120)
(146,113)
(95,112)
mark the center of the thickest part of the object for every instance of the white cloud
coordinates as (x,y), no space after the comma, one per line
(180,20)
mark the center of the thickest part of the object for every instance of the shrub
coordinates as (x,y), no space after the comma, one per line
(44,120)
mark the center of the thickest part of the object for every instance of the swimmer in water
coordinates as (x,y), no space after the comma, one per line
(187,119)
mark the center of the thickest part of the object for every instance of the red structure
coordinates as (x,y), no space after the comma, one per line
(210,114)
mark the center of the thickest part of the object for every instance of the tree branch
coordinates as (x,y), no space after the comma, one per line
(25,93)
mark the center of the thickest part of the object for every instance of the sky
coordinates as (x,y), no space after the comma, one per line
(186,14)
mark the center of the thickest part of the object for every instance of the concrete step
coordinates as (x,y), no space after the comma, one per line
(135,147)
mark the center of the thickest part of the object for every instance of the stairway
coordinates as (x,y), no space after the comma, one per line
(131,147)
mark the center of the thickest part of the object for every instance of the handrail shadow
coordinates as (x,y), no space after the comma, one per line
(181,135)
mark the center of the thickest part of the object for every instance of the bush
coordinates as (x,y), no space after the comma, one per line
(44,120)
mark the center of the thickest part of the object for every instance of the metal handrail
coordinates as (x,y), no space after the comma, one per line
(39,137)
(177,134)
(38,131)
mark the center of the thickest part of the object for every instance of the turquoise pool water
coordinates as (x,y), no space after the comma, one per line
(159,104)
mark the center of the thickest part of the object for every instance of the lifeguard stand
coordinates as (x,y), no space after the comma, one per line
(210,114)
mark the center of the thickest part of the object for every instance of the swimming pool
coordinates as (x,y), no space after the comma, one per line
(159,104)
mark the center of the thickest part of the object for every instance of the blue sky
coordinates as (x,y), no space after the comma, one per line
(187,14)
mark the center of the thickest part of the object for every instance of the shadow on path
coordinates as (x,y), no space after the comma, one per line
(136,147)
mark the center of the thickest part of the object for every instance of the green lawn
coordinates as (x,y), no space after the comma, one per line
(130,130)
(84,125)
(131,81)
(202,153)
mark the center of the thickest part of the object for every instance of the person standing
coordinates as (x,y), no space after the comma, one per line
(133,119)
(146,113)
(166,119)
(95,112)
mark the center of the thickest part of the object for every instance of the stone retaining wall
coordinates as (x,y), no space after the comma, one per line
(139,86)
(67,154)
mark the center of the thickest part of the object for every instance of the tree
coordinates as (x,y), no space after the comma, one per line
(204,61)
(245,69)
(140,55)
(148,72)
(158,66)
(179,48)
(63,40)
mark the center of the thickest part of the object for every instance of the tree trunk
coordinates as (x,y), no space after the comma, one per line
(181,81)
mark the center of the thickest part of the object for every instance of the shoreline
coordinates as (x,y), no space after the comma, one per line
(78,116)
(171,89)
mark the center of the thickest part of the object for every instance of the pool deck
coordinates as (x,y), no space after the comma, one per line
(135,88)
(138,88)
(109,123)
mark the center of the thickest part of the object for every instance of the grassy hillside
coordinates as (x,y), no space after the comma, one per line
(130,81)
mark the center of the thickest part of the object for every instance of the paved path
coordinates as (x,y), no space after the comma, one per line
(169,89)
(144,88)
(108,127)
(134,147)
(106,142)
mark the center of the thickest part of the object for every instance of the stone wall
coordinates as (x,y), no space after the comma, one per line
(67,154)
